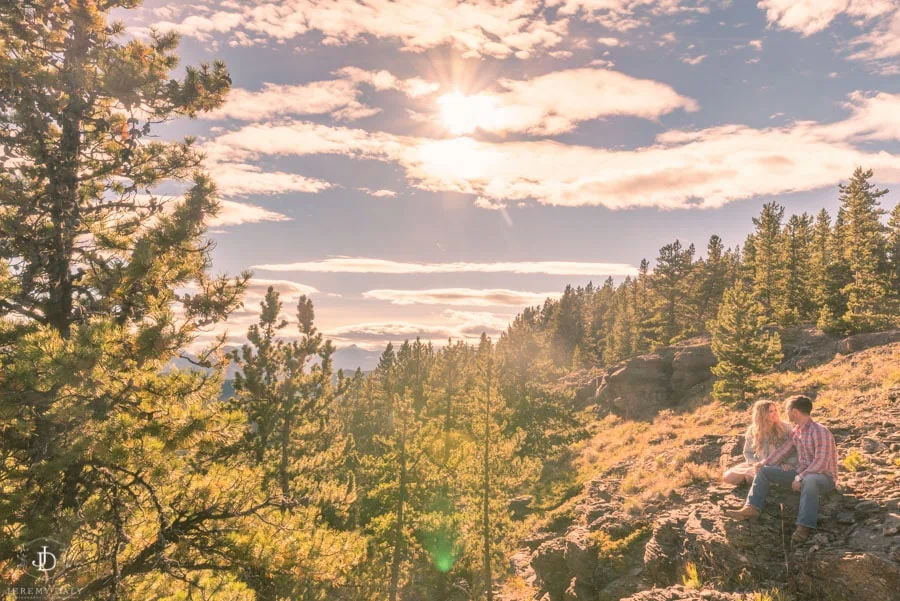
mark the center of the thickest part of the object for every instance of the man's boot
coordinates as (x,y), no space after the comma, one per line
(801,534)
(747,512)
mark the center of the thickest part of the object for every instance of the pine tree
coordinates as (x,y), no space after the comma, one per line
(642,309)
(497,470)
(894,258)
(819,260)
(107,449)
(568,329)
(542,416)
(714,278)
(602,316)
(798,239)
(769,264)
(865,252)
(742,346)
(670,288)
(837,278)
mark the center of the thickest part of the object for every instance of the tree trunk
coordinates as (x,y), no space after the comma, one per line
(401,500)
(63,185)
(485,516)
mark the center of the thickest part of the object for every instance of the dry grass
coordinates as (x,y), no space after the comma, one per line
(516,588)
(771,595)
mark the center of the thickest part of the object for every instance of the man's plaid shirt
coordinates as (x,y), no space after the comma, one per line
(815,449)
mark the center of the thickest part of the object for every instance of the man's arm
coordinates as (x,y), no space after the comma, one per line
(824,449)
(780,453)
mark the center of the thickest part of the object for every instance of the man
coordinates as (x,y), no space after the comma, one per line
(816,471)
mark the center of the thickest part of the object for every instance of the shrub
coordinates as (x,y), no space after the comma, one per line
(854,461)
(613,551)
(771,595)
(691,577)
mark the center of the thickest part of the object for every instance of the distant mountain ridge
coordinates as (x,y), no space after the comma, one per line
(348,358)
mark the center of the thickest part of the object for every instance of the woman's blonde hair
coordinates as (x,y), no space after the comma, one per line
(761,431)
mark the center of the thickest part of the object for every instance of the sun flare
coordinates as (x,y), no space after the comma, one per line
(462,114)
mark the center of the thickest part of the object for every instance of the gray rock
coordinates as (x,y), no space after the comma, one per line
(549,564)
(859,342)
(520,507)
(871,445)
(867,506)
(645,384)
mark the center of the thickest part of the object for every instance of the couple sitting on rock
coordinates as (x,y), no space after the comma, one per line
(803,456)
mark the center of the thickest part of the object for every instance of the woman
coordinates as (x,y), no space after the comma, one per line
(766,433)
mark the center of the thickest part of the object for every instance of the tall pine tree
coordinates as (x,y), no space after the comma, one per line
(865,254)
(742,346)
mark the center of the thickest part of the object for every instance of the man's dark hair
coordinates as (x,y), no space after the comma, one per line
(801,403)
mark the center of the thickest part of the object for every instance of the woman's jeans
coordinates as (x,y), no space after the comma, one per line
(811,488)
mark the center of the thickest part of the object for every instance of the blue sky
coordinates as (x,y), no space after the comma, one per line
(431,167)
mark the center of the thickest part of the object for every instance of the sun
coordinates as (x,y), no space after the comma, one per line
(462,114)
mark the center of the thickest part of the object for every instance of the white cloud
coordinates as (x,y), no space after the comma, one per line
(272,100)
(301,138)
(609,41)
(696,60)
(489,205)
(337,97)
(879,46)
(755,44)
(811,16)
(623,15)
(478,28)
(378,193)
(461,296)
(236,213)
(370,265)
(666,38)
(241,179)
(458,325)
(556,102)
(682,169)
(603,63)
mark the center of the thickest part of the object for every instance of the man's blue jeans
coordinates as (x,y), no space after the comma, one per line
(811,488)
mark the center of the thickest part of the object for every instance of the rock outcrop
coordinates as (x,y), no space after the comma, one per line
(645,384)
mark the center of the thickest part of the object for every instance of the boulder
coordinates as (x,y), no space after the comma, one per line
(520,506)
(549,564)
(690,367)
(647,383)
(680,593)
(581,555)
(859,342)
(835,574)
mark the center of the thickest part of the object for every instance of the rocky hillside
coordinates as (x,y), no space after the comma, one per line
(647,524)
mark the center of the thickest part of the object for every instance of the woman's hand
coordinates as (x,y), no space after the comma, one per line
(787,466)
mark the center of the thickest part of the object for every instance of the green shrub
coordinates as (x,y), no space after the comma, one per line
(854,461)
(691,577)
(613,551)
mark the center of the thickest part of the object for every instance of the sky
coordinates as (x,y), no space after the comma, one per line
(431,167)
